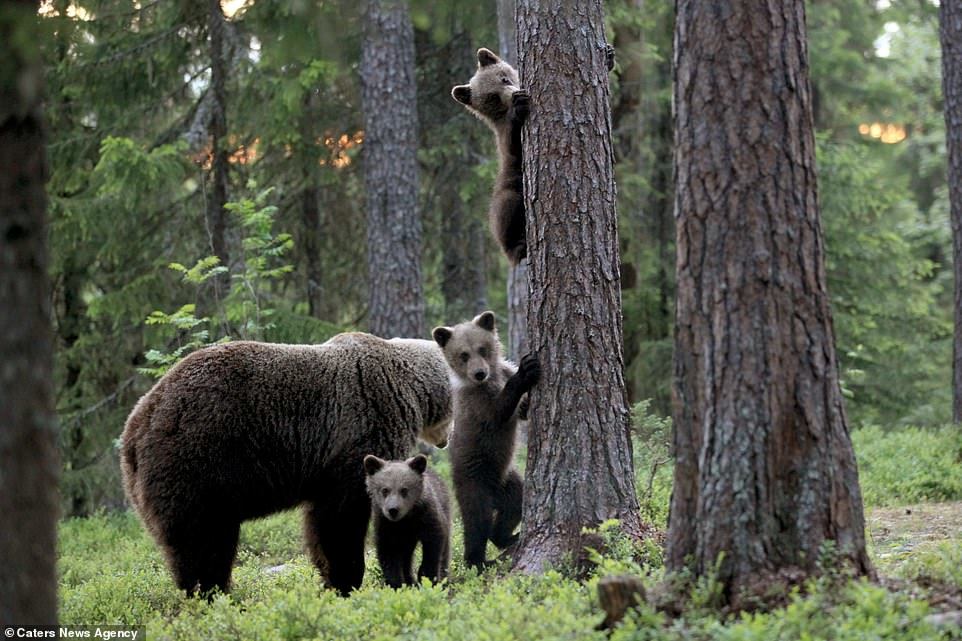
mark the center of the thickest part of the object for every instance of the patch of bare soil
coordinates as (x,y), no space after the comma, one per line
(903,528)
(901,536)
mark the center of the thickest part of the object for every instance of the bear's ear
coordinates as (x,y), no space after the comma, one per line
(419,463)
(486,57)
(485,321)
(462,93)
(442,335)
(372,464)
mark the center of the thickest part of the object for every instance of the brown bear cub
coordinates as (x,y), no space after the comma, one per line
(486,394)
(495,96)
(410,506)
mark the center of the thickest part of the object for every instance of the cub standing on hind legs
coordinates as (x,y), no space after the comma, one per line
(486,393)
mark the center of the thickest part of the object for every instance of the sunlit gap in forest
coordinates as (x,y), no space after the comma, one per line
(77,12)
(888,133)
(246,154)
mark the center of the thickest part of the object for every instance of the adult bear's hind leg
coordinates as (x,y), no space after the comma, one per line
(335,541)
(201,557)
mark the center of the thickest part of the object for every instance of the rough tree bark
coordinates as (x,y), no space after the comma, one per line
(765,471)
(217,197)
(579,470)
(517,282)
(950,33)
(389,100)
(29,465)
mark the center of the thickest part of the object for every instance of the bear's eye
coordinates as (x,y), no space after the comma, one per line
(385,492)
(506,80)
(483,352)
(404,492)
(464,357)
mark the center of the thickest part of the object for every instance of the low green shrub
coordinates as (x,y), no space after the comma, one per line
(111,572)
(908,465)
(651,440)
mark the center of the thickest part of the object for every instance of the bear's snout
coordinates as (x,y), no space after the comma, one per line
(480,375)
(392,513)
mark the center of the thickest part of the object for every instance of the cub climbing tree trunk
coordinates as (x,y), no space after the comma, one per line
(950,32)
(389,100)
(579,470)
(765,473)
(29,465)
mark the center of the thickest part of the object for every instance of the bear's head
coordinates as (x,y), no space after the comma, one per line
(395,486)
(471,349)
(488,93)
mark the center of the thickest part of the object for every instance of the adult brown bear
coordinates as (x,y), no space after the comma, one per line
(242,430)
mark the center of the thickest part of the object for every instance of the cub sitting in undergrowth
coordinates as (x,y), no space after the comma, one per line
(495,96)
(410,506)
(486,393)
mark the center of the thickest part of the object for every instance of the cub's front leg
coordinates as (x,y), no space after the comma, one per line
(520,107)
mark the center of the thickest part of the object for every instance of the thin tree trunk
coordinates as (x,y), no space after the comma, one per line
(517,282)
(311,219)
(518,310)
(464,277)
(311,213)
(579,470)
(626,116)
(627,120)
(29,465)
(463,281)
(217,198)
(950,32)
(765,473)
(389,99)
(508,31)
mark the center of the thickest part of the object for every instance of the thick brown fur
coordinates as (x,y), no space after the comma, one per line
(494,94)
(487,391)
(241,430)
(411,506)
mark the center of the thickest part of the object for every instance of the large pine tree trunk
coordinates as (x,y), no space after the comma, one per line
(389,100)
(579,470)
(29,464)
(765,472)
(950,33)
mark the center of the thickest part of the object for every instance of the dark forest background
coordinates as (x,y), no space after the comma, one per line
(154,126)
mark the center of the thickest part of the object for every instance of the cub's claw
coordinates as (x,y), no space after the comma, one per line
(520,103)
(523,407)
(610,57)
(530,369)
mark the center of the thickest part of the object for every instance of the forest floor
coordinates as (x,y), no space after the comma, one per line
(897,532)
(111,572)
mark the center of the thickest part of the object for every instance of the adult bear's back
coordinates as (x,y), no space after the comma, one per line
(251,427)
